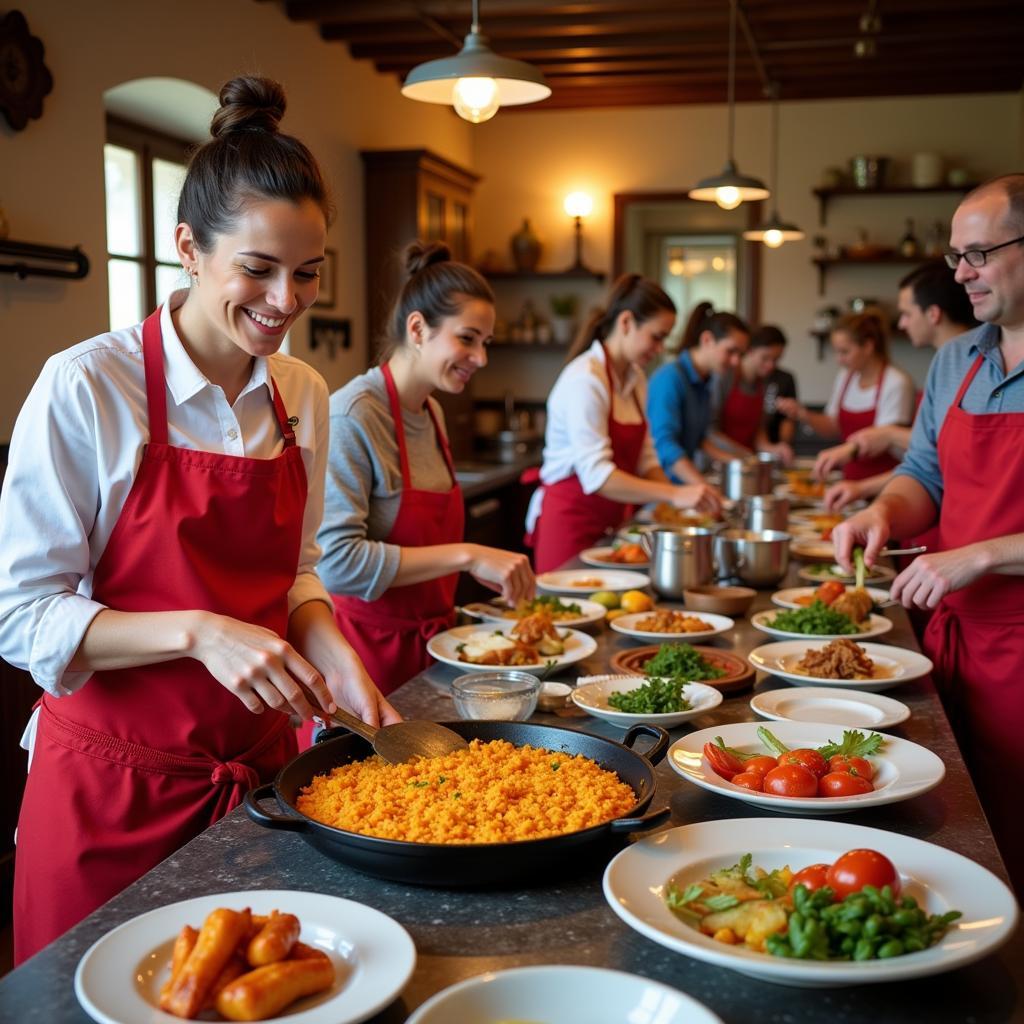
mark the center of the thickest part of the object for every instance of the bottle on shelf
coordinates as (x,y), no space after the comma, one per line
(909,245)
(937,239)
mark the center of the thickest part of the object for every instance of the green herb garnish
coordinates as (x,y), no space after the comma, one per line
(817,619)
(681,661)
(655,697)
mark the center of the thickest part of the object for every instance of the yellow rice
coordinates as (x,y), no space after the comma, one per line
(490,793)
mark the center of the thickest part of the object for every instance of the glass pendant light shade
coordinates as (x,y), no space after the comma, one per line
(774,232)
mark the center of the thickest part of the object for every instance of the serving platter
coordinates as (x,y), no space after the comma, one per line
(579,581)
(601,558)
(738,674)
(444,647)
(118,979)
(811,548)
(902,770)
(791,597)
(636,880)
(590,612)
(853,709)
(820,573)
(877,626)
(628,625)
(900,664)
(592,693)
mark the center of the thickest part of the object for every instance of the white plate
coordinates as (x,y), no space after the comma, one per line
(779,658)
(877,625)
(809,547)
(443,647)
(568,581)
(590,611)
(902,770)
(599,557)
(716,624)
(561,994)
(877,574)
(854,709)
(789,598)
(592,695)
(118,980)
(940,880)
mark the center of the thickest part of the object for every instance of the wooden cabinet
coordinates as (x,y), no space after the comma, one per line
(410,194)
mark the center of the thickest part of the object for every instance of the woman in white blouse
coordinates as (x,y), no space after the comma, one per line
(871,391)
(598,455)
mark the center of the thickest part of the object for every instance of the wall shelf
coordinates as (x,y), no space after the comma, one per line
(572,274)
(823,263)
(825,195)
(31,260)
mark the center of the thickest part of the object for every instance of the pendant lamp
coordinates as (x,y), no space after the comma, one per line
(730,188)
(476,81)
(774,231)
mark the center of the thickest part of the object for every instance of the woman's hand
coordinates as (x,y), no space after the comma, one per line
(834,458)
(841,494)
(871,441)
(929,578)
(868,530)
(352,687)
(790,408)
(507,572)
(257,666)
(782,450)
(702,497)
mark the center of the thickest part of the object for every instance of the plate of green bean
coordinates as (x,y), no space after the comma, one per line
(820,621)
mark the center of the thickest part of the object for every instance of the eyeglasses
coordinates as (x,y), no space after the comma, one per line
(975,257)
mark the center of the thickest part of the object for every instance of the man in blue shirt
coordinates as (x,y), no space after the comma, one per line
(965,466)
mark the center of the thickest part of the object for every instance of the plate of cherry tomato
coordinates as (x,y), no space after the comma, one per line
(734,761)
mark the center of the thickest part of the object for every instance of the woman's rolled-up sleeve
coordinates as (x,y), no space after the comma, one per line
(587,426)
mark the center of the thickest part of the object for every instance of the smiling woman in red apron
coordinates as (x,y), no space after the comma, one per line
(392,533)
(598,455)
(871,392)
(170,481)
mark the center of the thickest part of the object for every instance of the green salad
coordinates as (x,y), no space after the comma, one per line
(655,697)
(817,619)
(683,662)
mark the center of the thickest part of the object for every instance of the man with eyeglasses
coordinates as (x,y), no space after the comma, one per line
(965,469)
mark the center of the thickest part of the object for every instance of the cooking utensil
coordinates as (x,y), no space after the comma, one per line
(681,557)
(755,474)
(459,865)
(758,558)
(765,512)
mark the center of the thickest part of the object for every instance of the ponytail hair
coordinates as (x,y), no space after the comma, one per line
(631,293)
(867,326)
(704,318)
(436,286)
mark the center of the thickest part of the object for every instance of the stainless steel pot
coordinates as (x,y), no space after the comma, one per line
(681,557)
(765,512)
(758,558)
(743,478)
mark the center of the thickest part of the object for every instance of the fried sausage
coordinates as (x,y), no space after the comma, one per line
(266,991)
(274,941)
(300,951)
(183,945)
(234,968)
(219,937)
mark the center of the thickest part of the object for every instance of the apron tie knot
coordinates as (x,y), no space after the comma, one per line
(234,773)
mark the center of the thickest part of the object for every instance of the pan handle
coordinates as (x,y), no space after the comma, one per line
(661,738)
(645,821)
(265,818)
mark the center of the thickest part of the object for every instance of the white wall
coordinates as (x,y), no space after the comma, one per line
(530,160)
(51,174)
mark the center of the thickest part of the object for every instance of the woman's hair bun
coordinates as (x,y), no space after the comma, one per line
(249,103)
(420,255)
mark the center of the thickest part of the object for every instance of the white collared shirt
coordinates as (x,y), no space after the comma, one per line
(76,448)
(576,438)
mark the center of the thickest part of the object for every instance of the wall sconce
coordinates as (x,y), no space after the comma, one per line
(578,205)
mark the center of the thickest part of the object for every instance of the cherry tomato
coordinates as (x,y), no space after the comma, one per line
(855,765)
(809,759)
(749,780)
(791,780)
(857,868)
(762,764)
(722,762)
(843,784)
(813,877)
(830,590)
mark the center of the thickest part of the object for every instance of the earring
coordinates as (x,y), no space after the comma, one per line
(193,275)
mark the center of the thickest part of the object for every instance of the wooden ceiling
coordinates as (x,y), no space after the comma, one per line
(624,53)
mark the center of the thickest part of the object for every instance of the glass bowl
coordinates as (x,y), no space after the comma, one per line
(502,696)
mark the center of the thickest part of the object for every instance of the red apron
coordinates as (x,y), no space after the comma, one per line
(139,761)
(742,414)
(391,633)
(571,520)
(976,635)
(850,422)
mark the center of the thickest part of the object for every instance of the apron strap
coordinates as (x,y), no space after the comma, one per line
(966,382)
(403,452)
(156,382)
(878,388)
(611,392)
(286,423)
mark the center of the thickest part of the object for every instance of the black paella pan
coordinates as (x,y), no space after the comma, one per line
(457,865)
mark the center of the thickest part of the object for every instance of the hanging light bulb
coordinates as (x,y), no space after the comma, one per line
(728,197)
(476,80)
(773,238)
(476,99)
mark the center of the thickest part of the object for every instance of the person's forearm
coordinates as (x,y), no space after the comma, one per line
(821,423)
(116,640)
(787,431)
(898,438)
(429,563)
(1004,555)
(872,486)
(635,490)
(720,454)
(907,506)
(683,469)
(656,473)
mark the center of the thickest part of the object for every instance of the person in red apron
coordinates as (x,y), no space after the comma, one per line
(872,391)
(598,456)
(392,534)
(967,458)
(180,562)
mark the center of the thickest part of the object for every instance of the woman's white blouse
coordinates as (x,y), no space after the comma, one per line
(76,448)
(895,400)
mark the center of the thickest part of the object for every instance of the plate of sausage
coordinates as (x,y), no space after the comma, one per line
(250,955)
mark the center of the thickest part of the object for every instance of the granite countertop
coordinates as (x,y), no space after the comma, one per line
(564,918)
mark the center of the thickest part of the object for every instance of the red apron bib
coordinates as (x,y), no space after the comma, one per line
(976,635)
(742,414)
(571,520)
(850,422)
(139,761)
(391,633)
